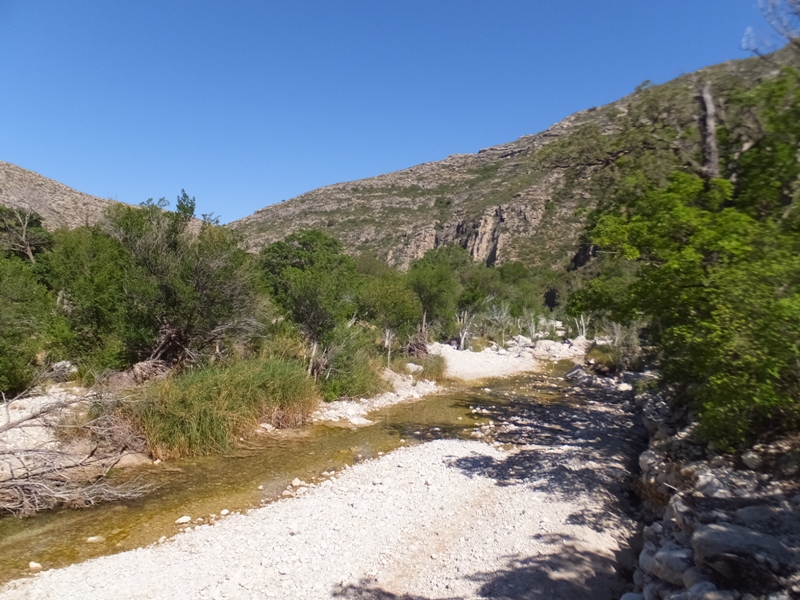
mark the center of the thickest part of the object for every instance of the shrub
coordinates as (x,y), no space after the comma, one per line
(352,366)
(207,409)
(433,367)
(26,318)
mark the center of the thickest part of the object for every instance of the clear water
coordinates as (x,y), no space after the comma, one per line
(249,478)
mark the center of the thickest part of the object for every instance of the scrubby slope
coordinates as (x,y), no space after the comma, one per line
(58,204)
(525,200)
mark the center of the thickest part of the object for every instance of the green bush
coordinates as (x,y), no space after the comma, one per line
(27,323)
(207,409)
(433,367)
(718,271)
(352,365)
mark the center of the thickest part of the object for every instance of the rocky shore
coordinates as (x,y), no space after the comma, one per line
(537,507)
(721,527)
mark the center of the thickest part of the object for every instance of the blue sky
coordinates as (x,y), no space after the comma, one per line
(245,103)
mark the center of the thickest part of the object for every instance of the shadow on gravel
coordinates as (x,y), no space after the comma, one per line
(568,450)
(571,574)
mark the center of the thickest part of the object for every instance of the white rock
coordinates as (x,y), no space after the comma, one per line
(34,566)
(95,539)
(224,512)
(751,460)
(267,427)
(413,368)
(297,482)
(183,519)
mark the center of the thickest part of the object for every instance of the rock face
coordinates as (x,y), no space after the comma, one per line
(58,204)
(486,202)
(525,200)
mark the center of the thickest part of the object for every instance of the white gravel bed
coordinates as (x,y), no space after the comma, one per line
(427,520)
(353,412)
(466,365)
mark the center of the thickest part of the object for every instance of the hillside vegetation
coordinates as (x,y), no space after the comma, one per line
(527,200)
(666,222)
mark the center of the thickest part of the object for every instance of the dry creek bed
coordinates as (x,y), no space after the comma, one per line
(535,507)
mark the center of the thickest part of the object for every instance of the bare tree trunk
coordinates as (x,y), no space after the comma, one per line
(311,360)
(709,129)
(387,343)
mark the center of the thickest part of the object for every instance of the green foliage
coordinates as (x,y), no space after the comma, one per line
(194,286)
(26,320)
(311,280)
(206,410)
(352,367)
(108,328)
(433,366)
(437,288)
(718,274)
(390,303)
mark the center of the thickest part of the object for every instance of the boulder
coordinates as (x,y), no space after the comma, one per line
(61,371)
(580,344)
(754,517)
(521,340)
(577,373)
(746,560)
(751,460)
(647,460)
(715,540)
(699,590)
(668,564)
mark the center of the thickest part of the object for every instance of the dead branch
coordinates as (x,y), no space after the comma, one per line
(44,411)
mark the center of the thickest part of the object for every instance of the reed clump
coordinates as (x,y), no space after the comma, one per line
(207,409)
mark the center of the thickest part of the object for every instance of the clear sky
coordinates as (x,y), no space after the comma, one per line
(248,102)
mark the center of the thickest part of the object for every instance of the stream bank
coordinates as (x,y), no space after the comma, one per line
(537,511)
(721,526)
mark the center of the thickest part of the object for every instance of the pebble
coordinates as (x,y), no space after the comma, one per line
(224,512)
(182,520)
(34,566)
(95,539)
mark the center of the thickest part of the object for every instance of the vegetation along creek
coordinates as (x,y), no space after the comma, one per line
(565,366)
(205,486)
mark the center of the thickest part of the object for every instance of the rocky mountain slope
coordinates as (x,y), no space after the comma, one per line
(525,200)
(58,204)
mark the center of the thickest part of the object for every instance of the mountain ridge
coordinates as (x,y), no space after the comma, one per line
(58,204)
(518,200)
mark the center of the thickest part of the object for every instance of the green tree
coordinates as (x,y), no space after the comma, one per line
(718,271)
(101,291)
(311,280)
(26,319)
(198,285)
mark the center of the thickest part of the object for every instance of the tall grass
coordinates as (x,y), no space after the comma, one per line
(433,367)
(206,410)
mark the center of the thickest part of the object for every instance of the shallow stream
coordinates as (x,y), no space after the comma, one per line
(249,478)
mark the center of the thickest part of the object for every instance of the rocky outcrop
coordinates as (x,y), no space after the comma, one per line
(57,204)
(721,527)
